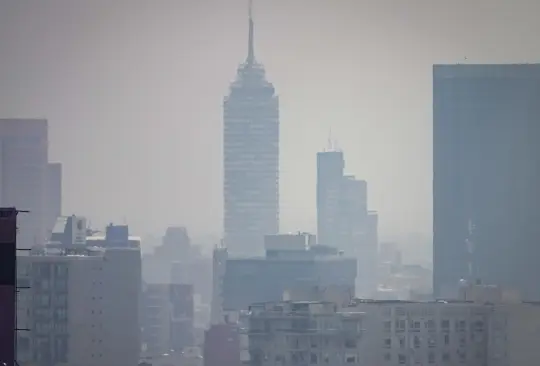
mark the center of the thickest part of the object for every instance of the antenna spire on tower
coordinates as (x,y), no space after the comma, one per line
(251,49)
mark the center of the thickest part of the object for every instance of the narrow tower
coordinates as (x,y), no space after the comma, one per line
(251,157)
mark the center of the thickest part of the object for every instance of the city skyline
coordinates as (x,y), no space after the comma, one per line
(170,100)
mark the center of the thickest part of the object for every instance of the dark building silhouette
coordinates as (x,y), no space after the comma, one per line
(8,250)
(486,176)
(250,158)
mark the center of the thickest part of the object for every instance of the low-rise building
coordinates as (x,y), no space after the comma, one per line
(302,333)
(291,261)
(484,327)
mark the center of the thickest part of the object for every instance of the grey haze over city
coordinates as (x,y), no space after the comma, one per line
(269,183)
(133,93)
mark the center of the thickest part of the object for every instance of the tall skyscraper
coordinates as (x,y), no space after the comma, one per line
(486,176)
(23,175)
(251,158)
(330,169)
(343,219)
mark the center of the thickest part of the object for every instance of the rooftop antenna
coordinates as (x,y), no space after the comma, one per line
(330,143)
(251,49)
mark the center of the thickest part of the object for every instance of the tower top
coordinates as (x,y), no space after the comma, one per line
(251,48)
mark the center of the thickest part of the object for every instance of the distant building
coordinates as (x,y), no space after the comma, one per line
(176,244)
(197,271)
(485,176)
(343,219)
(330,173)
(8,283)
(23,175)
(219,262)
(53,195)
(222,346)
(251,158)
(167,318)
(156,313)
(182,317)
(252,280)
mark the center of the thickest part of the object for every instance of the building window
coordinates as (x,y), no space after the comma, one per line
(388,343)
(350,359)
(446,357)
(388,326)
(414,324)
(445,324)
(431,358)
(350,343)
(313,359)
(446,339)
(416,342)
(402,359)
(479,326)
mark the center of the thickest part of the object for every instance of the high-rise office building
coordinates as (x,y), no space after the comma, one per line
(486,176)
(251,158)
(23,175)
(343,219)
(330,170)
(53,195)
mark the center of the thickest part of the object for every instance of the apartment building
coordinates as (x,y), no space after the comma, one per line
(483,327)
(431,333)
(62,309)
(301,333)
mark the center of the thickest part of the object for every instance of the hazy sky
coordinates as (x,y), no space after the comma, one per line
(133,92)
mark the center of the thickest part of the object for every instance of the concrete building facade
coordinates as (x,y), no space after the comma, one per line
(302,333)
(63,308)
(484,327)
